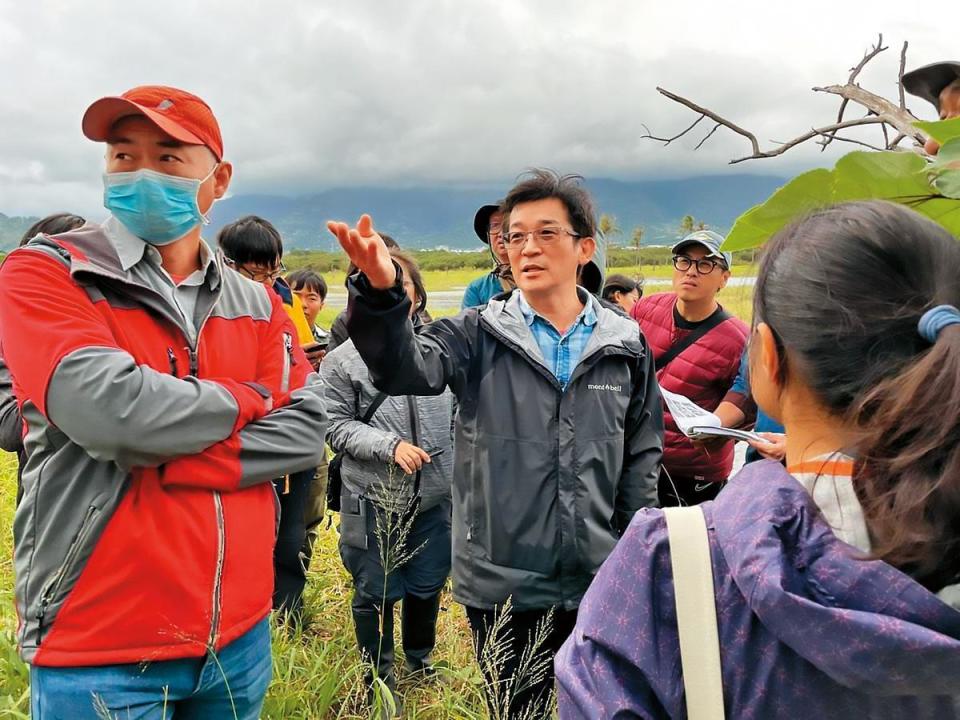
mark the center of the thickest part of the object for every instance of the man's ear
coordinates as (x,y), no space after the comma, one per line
(726,278)
(221,179)
(586,247)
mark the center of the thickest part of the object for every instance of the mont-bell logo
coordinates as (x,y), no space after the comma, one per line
(607,387)
(165,104)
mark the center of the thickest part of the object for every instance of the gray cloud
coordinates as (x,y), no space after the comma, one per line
(423,92)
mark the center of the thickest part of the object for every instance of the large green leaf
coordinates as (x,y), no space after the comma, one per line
(803,194)
(896,176)
(940,130)
(902,177)
(944,171)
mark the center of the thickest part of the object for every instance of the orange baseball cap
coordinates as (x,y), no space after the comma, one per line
(178,113)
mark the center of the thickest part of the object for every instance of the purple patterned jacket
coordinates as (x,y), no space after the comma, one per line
(806,629)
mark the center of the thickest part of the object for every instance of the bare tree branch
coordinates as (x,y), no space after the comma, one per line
(896,141)
(713,116)
(708,136)
(816,132)
(832,136)
(879,111)
(903,66)
(667,141)
(867,57)
(901,120)
(854,72)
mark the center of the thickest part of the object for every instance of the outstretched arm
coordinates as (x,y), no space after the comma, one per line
(401,362)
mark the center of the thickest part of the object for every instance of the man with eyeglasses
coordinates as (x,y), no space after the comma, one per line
(254,248)
(559,429)
(697,346)
(488,225)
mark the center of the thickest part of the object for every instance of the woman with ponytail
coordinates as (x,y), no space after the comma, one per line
(833,577)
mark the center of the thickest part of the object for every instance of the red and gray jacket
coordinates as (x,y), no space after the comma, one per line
(147,525)
(703,372)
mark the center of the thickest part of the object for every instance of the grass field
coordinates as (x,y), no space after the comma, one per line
(317,674)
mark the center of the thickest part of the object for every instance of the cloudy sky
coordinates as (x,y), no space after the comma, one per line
(312,95)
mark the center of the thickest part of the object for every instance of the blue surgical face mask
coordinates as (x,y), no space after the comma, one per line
(155,207)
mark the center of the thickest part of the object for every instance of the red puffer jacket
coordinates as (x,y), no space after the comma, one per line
(703,372)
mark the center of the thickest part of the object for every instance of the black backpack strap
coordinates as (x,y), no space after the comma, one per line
(415,434)
(374,406)
(691,337)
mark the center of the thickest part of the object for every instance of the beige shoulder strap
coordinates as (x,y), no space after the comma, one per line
(696,612)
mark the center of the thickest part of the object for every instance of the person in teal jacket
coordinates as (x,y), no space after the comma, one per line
(488,225)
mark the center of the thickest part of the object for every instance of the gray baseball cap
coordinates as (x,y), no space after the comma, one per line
(708,239)
(928,82)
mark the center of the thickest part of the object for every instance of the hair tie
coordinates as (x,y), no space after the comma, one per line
(935,320)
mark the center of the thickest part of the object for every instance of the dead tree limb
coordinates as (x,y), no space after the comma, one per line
(816,132)
(712,115)
(899,119)
(667,141)
(708,136)
(854,72)
(879,111)
(839,138)
(903,67)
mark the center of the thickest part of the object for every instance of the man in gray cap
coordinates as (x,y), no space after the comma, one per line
(938,84)
(696,347)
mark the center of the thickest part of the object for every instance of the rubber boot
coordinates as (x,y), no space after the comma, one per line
(419,628)
(366,621)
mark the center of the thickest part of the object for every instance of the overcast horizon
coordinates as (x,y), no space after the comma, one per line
(431,92)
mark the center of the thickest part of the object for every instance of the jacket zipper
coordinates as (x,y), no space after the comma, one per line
(193,352)
(221,542)
(287,362)
(172,357)
(52,587)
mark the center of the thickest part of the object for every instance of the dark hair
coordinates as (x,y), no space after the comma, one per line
(410,267)
(52,225)
(251,239)
(387,240)
(843,291)
(620,283)
(308,280)
(541,184)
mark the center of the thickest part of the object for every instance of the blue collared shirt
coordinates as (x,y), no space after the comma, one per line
(561,353)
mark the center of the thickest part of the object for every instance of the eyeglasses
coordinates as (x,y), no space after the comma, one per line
(494,231)
(256,275)
(705,266)
(544,236)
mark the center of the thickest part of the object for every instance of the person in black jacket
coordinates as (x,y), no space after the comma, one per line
(559,431)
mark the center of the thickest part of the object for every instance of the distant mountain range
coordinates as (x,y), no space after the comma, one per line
(443,216)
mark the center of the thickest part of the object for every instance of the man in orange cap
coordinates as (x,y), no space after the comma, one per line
(161,395)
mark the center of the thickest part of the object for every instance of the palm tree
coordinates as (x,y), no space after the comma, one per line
(636,241)
(609,227)
(688,224)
